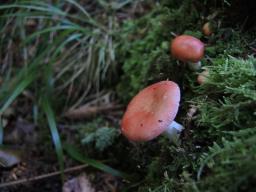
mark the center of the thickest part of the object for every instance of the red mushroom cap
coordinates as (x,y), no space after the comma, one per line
(187,48)
(151,111)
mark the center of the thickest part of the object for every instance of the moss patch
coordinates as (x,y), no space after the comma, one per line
(225,104)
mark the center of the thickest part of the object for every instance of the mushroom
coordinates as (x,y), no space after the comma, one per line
(207,29)
(152,111)
(202,77)
(188,49)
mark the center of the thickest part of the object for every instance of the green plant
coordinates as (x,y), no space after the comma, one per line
(101,138)
(56,50)
(79,47)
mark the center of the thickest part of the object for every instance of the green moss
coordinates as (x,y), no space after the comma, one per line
(231,164)
(225,103)
(98,135)
(226,108)
(230,90)
(145,46)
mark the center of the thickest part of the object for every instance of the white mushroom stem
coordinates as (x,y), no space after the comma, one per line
(194,66)
(173,131)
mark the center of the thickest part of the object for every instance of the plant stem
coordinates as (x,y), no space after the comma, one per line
(194,66)
(173,131)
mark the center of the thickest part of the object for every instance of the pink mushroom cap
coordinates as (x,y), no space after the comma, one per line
(151,111)
(187,48)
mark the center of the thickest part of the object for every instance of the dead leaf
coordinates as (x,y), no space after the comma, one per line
(8,112)
(22,132)
(9,158)
(78,184)
(31,23)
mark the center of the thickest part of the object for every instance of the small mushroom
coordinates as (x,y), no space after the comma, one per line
(202,77)
(188,49)
(152,111)
(207,29)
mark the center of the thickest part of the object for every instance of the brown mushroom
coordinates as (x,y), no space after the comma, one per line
(152,111)
(207,29)
(202,77)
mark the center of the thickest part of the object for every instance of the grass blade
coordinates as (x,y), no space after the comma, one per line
(18,90)
(1,131)
(55,134)
(74,153)
(47,9)
(57,28)
(80,8)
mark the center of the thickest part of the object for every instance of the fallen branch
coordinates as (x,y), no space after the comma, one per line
(44,176)
(84,112)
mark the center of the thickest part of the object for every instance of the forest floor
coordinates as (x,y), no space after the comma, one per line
(68,70)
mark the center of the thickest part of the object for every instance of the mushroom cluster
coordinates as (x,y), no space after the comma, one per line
(153,110)
(189,49)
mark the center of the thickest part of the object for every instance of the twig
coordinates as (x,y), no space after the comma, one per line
(88,111)
(173,34)
(44,176)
